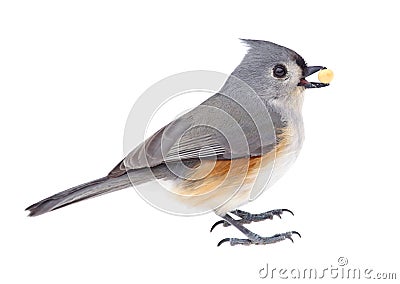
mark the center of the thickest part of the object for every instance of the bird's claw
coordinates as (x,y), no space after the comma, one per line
(287,210)
(216,224)
(258,240)
(223,241)
(247,218)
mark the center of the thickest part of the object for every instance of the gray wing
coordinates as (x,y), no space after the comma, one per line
(219,128)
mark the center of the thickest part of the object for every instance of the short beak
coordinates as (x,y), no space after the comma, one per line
(307,71)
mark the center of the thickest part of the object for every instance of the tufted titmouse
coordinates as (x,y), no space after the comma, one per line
(213,154)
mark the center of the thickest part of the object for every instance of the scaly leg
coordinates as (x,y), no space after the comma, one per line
(252,237)
(247,218)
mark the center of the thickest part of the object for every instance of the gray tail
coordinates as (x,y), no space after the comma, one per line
(78,193)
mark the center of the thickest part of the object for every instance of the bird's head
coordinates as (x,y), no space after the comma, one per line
(274,71)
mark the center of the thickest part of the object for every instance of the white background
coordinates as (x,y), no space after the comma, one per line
(69,74)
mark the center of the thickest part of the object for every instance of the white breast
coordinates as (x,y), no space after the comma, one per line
(290,109)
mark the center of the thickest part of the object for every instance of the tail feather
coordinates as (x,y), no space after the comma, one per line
(78,193)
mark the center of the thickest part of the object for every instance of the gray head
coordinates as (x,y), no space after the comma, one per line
(274,71)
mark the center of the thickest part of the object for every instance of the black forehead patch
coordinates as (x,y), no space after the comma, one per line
(300,61)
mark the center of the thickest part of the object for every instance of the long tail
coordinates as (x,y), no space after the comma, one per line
(78,193)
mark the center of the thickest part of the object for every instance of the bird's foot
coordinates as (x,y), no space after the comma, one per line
(255,239)
(247,218)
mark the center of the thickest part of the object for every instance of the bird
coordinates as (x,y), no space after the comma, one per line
(213,155)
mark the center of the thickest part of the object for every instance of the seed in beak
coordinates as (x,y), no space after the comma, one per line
(325,76)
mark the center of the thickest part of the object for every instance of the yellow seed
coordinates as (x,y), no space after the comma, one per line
(325,76)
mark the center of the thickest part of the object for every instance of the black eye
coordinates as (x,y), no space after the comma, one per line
(279,71)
